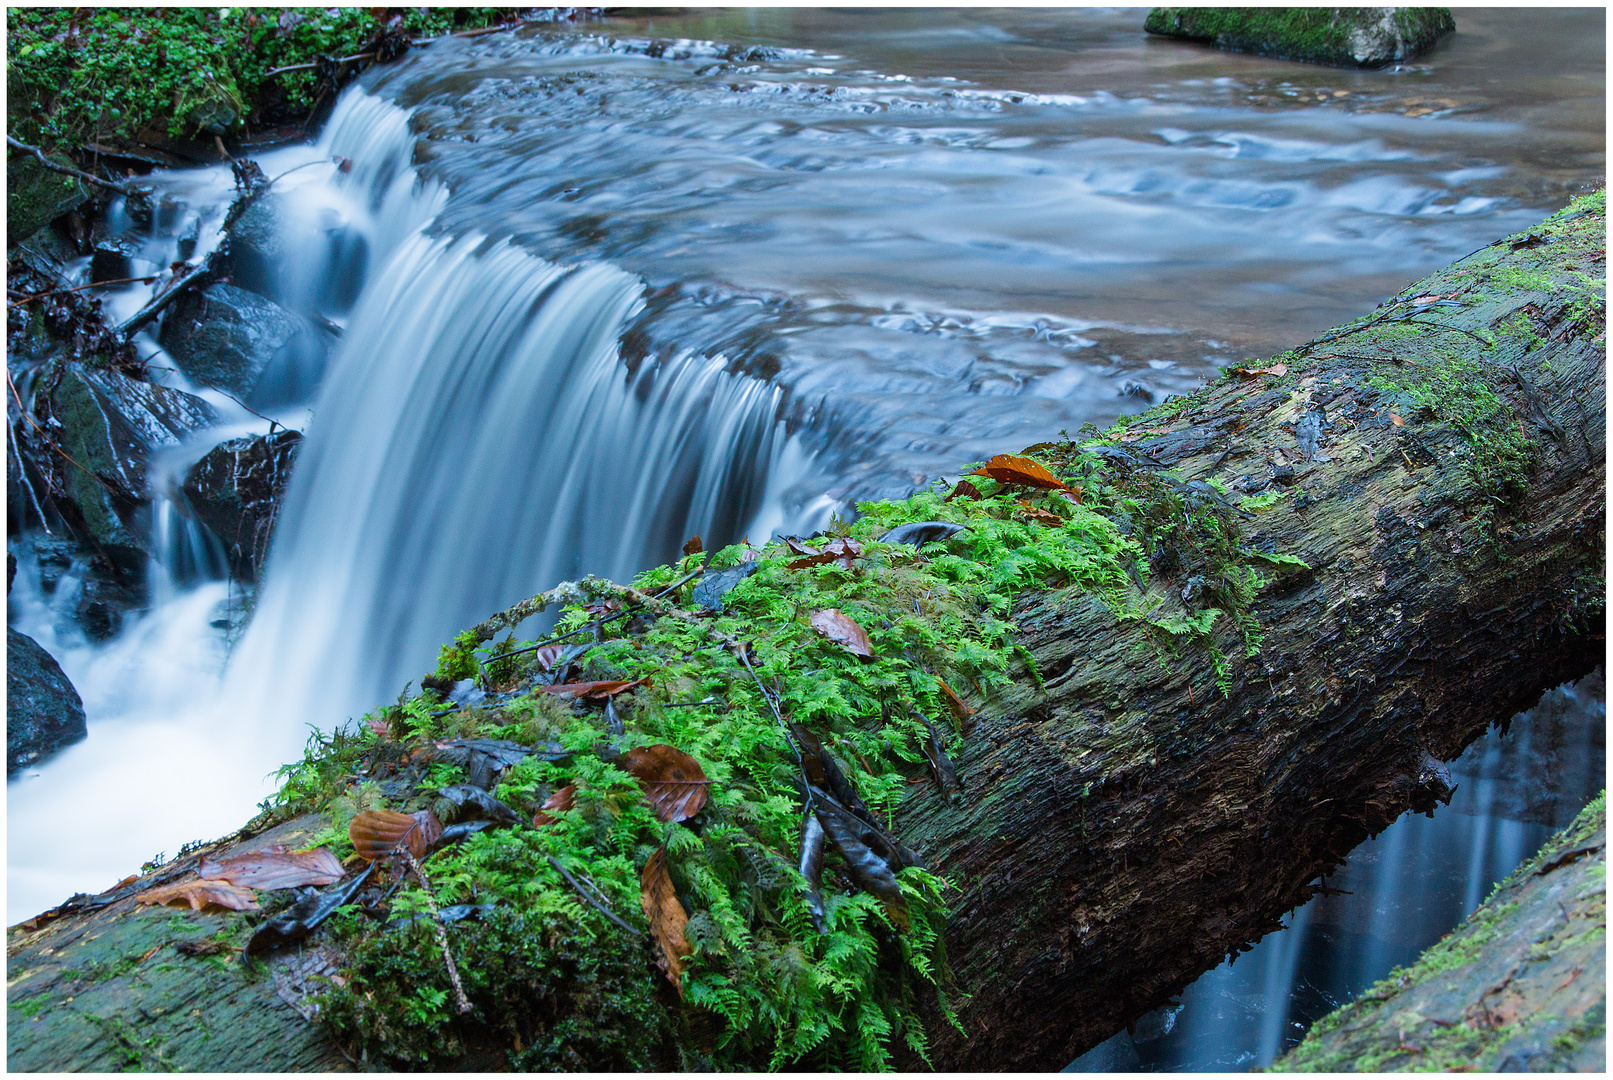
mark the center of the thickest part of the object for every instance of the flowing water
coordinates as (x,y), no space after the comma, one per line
(725,273)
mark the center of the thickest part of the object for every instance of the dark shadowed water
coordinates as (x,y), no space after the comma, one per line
(1398,894)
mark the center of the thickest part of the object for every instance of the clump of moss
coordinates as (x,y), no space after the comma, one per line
(763,986)
(70,72)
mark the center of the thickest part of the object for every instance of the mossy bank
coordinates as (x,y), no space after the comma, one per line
(1341,37)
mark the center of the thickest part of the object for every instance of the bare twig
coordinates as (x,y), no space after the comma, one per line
(162,300)
(436,926)
(311,65)
(597,905)
(79,288)
(110,185)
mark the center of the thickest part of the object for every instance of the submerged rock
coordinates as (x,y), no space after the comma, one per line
(236,492)
(1341,37)
(43,711)
(244,344)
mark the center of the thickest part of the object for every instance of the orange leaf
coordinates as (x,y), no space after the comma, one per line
(674,783)
(1011,469)
(843,631)
(594,690)
(954,702)
(275,868)
(563,799)
(202,896)
(667,917)
(378,833)
(1396,421)
(1072,494)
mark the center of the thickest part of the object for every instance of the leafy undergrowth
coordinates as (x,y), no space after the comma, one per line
(68,72)
(867,649)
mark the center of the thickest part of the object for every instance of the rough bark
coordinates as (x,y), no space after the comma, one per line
(1520,986)
(1125,826)
(1129,828)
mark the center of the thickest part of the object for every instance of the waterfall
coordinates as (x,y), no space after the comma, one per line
(477,440)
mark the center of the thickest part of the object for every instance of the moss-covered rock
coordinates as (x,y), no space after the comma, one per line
(1520,986)
(1342,37)
(36,196)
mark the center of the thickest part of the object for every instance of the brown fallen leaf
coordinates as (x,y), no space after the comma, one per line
(964,490)
(379,725)
(843,631)
(1012,469)
(954,702)
(1394,418)
(674,783)
(274,868)
(842,550)
(1071,494)
(667,917)
(1038,515)
(596,691)
(201,895)
(1249,373)
(693,546)
(379,833)
(563,799)
(547,655)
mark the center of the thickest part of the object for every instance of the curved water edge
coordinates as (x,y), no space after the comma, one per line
(867,262)
(1397,894)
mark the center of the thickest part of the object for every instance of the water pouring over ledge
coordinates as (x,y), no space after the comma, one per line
(858,237)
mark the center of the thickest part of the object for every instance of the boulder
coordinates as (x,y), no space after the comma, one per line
(35,196)
(236,492)
(88,479)
(244,344)
(43,711)
(1341,37)
(114,258)
(260,243)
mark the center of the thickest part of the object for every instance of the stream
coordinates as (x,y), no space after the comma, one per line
(725,273)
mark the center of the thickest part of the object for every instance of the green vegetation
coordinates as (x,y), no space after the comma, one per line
(553,983)
(78,74)
(1314,34)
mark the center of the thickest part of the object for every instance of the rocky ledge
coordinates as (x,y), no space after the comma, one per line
(1341,37)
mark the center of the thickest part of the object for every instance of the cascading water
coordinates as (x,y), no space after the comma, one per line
(479,440)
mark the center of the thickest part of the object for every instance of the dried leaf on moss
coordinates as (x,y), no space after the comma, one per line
(868,856)
(479,803)
(377,834)
(843,630)
(964,490)
(274,868)
(667,917)
(201,895)
(842,550)
(1012,469)
(960,710)
(594,690)
(563,799)
(674,784)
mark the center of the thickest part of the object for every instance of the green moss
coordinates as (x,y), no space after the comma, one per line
(70,71)
(1316,35)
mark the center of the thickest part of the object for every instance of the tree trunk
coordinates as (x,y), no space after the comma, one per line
(1125,825)
(1130,828)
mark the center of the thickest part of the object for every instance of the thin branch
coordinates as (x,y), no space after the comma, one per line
(162,300)
(436,926)
(110,185)
(596,904)
(80,288)
(311,65)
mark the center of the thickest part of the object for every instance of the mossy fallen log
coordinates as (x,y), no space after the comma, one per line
(1180,668)
(1520,986)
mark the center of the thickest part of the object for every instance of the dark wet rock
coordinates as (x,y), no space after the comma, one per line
(716,584)
(114,258)
(36,196)
(243,344)
(1341,37)
(46,251)
(141,206)
(43,711)
(236,491)
(259,244)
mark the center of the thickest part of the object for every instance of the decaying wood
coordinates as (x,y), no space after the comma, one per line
(1130,828)
(1122,826)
